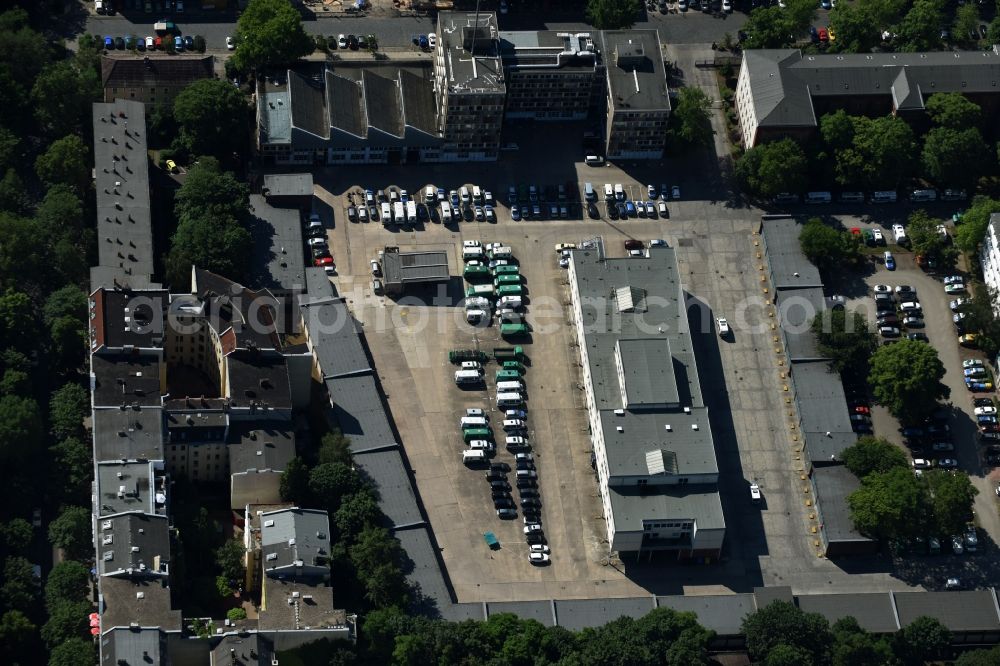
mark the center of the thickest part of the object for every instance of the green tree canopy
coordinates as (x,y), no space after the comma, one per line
(837,128)
(294,484)
(769,28)
(69,405)
(691,120)
(853,25)
(953,110)
(20,587)
(335,448)
(846,338)
(208,191)
(15,536)
(18,635)
(65,161)
(73,652)
(61,210)
(356,512)
(979,319)
(853,646)
(921,641)
(985,657)
(21,430)
(72,467)
(329,483)
(212,115)
(890,505)
(927,241)
(951,498)
(13,194)
(19,326)
(975,219)
(781,623)
(830,249)
(881,156)
(378,557)
(67,620)
(956,157)
(68,581)
(772,168)
(906,379)
(62,95)
(71,531)
(920,29)
(612,14)
(269,33)
(24,261)
(229,557)
(966,26)
(873,455)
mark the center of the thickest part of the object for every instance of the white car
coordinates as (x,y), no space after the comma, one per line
(432,40)
(657,242)
(882,289)
(954,279)
(723,326)
(921,463)
(564,262)
(341,41)
(985,411)
(532,527)
(727,6)
(230,44)
(954,288)
(565,246)
(538,558)
(754,493)
(877,236)
(150,43)
(473,411)
(972,363)
(538,548)
(376,269)
(471,243)
(314,242)
(662,206)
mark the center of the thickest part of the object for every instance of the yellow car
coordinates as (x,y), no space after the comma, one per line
(171,166)
(967,340)
(833,36)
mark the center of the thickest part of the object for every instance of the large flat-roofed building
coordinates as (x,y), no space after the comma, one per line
(989,259)
(403,269)
(638,101)
(653,446)
(469,86)
(784,92)
(552,75)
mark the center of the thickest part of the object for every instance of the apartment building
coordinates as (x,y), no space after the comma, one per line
(638,100)
(653,446)
(989,259)
(154,79)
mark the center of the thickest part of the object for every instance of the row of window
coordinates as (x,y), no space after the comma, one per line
(686,526)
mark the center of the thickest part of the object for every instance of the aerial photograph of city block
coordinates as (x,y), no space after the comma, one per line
(502,332)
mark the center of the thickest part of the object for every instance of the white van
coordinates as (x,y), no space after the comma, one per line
(476,316)
(619,192)
(430,195)
(502,252)
(463,193)
(818,198)
(471,243)
(411,212)
(588,192)
(468,377)
(477,303)
(445,211)
(505,400)
(472,365)
(609,193)
(923,195)
(593,160)
(386,214)
(477,194)
(884,196)
(470,253)
(503,387)
(515,441)
(481,445)
(475,422)
(398,214)
(470,457)
(513,302)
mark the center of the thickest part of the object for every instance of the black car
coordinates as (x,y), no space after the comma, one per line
(352,42)
(922,337)
(120,43)
(526,483)
(504,503)
(500,484)
(527,502)
(499,467)
(468,214)
(612,211)
(983,402)
(189,43)
(352,213)
(592,211)
(534,537)
(528,492)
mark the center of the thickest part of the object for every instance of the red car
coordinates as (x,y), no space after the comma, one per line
(861,409)
(323,261)
(824,36)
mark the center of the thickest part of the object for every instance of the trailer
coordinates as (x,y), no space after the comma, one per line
(459,355)
(508,354)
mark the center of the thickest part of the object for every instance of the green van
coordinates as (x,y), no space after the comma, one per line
(476,273)
(508,375)
(509,290)
(470,434)
(507,270)
(513,365)
(501,280)
(512,330)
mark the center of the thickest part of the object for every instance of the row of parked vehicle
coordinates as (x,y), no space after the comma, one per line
(493,272)
(895,308)
(150,43)
(877,197)
(318,245)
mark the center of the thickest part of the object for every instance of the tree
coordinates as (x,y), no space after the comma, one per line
(951,498)
(294,484)
(853,25)
(921,27)
(993,33)
(335,447)
(23,260)
(691,121)
(356,512)
(788,655)
(955,158)
(772,168)
(12,193)
(212,115)
(330,482)
(881,155)
(890,505)
(612,14)
(15,535)
(71,532)
(830,249)
(906,379)
(69,405)
(985,657)
(966,26)
(954,110)
(18,323)
(10,144)
(199,44)
(926,241)
(781,623)
(768,28)
(377,557)
(14,382)
(74,652)
(208,191)
(21,430)
(846,338)
(60,94)
(269,33)
(61,210)
(20,587)
(837,128)
(872,455)
(67,620)
(975,219)
(979,319)
(230,557)
(920,641)
(853,646)
(69,344)
(72,468)
(65,161)
(236,614)
(18,636)
(68,581)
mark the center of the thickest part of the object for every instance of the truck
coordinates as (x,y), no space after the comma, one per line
(502,354)
(502,252)
(478,273)
(507,270)
(398,215)
(411,211)
(511,330)
(485,290)
(460,355)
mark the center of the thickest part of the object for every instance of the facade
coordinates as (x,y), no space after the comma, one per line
(638,100)
(783,92)
(653,446)
(153,79)
(989,259)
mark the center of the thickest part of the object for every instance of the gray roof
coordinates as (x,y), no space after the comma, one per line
(124,487)
(383,108)
(156,71)
(540,611)
(790,269)
(346,101)
(124,230)
(700,503)
(252,649)
(427,573)
(358,411)
(822,407)
(307,106)
(973,610)
(418,105)
(262,445)
(128,434)
(125,379)
(132,318)
(141,601)
(318,286)
(797,307)
(637,80)
(294,535)
(577,614)
(550,50)
(648,372)
(287,185)
(296,604)
(334,337)
(278,259)
(723,614)
(402,268)
(466,72)
(834,483)
(133,544)
(784,82)
(133,646)
(873,611)
(686,451)
(274,117)
(393,483)
(258,377)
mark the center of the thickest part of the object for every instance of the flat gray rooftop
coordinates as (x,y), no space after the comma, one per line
(403,268)
(577,614)
(790,269)
(133,543)
(142,601)
(333,336)
(358,411)
(636,76)
(822,406)
(274,117)
(467,71)
(700,503)
(834,483)
(288,185)
(874,611)
(125,379)
(124,487)
(278,258)
(723,614)
(392,481)
(314,609)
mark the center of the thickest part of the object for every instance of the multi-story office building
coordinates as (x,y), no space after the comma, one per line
(653,447)
(638,101)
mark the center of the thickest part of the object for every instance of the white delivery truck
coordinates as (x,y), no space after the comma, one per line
(398,214)
(468,377)
(445,212)
(386,213)
(411,212)
(473,457)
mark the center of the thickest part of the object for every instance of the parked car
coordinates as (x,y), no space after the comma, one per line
(890,261)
